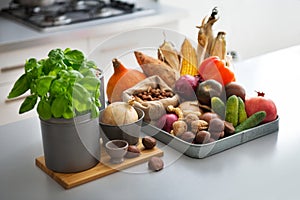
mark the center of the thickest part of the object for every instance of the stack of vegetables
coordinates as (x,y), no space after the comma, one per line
(212,104)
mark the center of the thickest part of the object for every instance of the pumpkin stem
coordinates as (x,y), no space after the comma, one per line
(118,66)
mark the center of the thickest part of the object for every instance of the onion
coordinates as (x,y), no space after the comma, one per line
(166,121)
(119,113)
(185,87)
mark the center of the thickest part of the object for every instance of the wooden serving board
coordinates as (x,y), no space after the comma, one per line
(104,168)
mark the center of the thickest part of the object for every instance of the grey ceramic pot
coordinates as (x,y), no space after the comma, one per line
(128,132)
(71,145)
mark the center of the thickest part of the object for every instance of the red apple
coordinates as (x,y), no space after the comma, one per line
(261,103)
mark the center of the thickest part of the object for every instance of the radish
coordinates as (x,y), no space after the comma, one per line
(166,121)
(261,103)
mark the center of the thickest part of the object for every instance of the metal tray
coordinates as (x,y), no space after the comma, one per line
(205,150)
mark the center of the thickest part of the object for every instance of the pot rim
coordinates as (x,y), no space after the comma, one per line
(77,119)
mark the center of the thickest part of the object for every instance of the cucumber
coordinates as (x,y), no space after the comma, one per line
(252,121)
(232,110)
(242,111)
(218,106)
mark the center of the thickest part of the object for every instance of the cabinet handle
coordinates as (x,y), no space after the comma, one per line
(11,68)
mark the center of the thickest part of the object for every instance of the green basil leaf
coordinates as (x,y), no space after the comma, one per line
(58,87)
(97,103)
(56,56)
(94,111)
(28,104)
(90,64)
(97,94)
(59,106)
(20,87)
(30,65)
(43,85)
(90,83)
(87,72)
(74,57)
(80,93)
(81,106)
(44,109)
(74,75)
(69,113)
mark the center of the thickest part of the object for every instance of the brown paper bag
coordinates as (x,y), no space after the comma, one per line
(153,109)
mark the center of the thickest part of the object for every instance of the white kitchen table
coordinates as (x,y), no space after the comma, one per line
(266,168)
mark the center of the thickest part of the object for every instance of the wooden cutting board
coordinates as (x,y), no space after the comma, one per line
(104,168)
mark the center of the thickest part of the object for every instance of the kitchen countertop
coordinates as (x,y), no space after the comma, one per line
(266,168)
(14,35)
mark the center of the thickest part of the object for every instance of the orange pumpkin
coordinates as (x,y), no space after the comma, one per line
(121,80)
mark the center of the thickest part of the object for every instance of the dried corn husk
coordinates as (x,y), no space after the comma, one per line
(168,54)
(205,35)
(219,46)
(202,44)
(189,64)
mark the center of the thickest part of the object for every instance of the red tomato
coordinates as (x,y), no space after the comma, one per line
(214,68)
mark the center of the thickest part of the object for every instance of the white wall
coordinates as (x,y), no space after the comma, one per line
(253,27)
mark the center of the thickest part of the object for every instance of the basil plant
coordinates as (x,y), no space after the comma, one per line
(63,85)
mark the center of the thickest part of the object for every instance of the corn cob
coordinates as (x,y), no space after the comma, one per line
(219,46)
(189,64)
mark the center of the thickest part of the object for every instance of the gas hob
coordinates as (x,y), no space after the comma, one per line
(67,15)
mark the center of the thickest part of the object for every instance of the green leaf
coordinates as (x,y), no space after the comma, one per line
(56,56)
(81,106)
(90,64)
(20,87)
(74,75)
(59,106)
(80,93)
(30,65)
(87,72)
(58,87)
(69,113)
(44,109)
(43,85)
(28,104)
(94,111)
(74,57)
(97,103)
(90,83)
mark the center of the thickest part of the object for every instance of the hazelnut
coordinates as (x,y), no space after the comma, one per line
(211,140)
(188,136)
(189,118)
(179,127)
(133,151)
(208,116)
(198,125)
(155,163)
(229,128)
(149,142)
(216,125)
(202,137)
(217,135)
